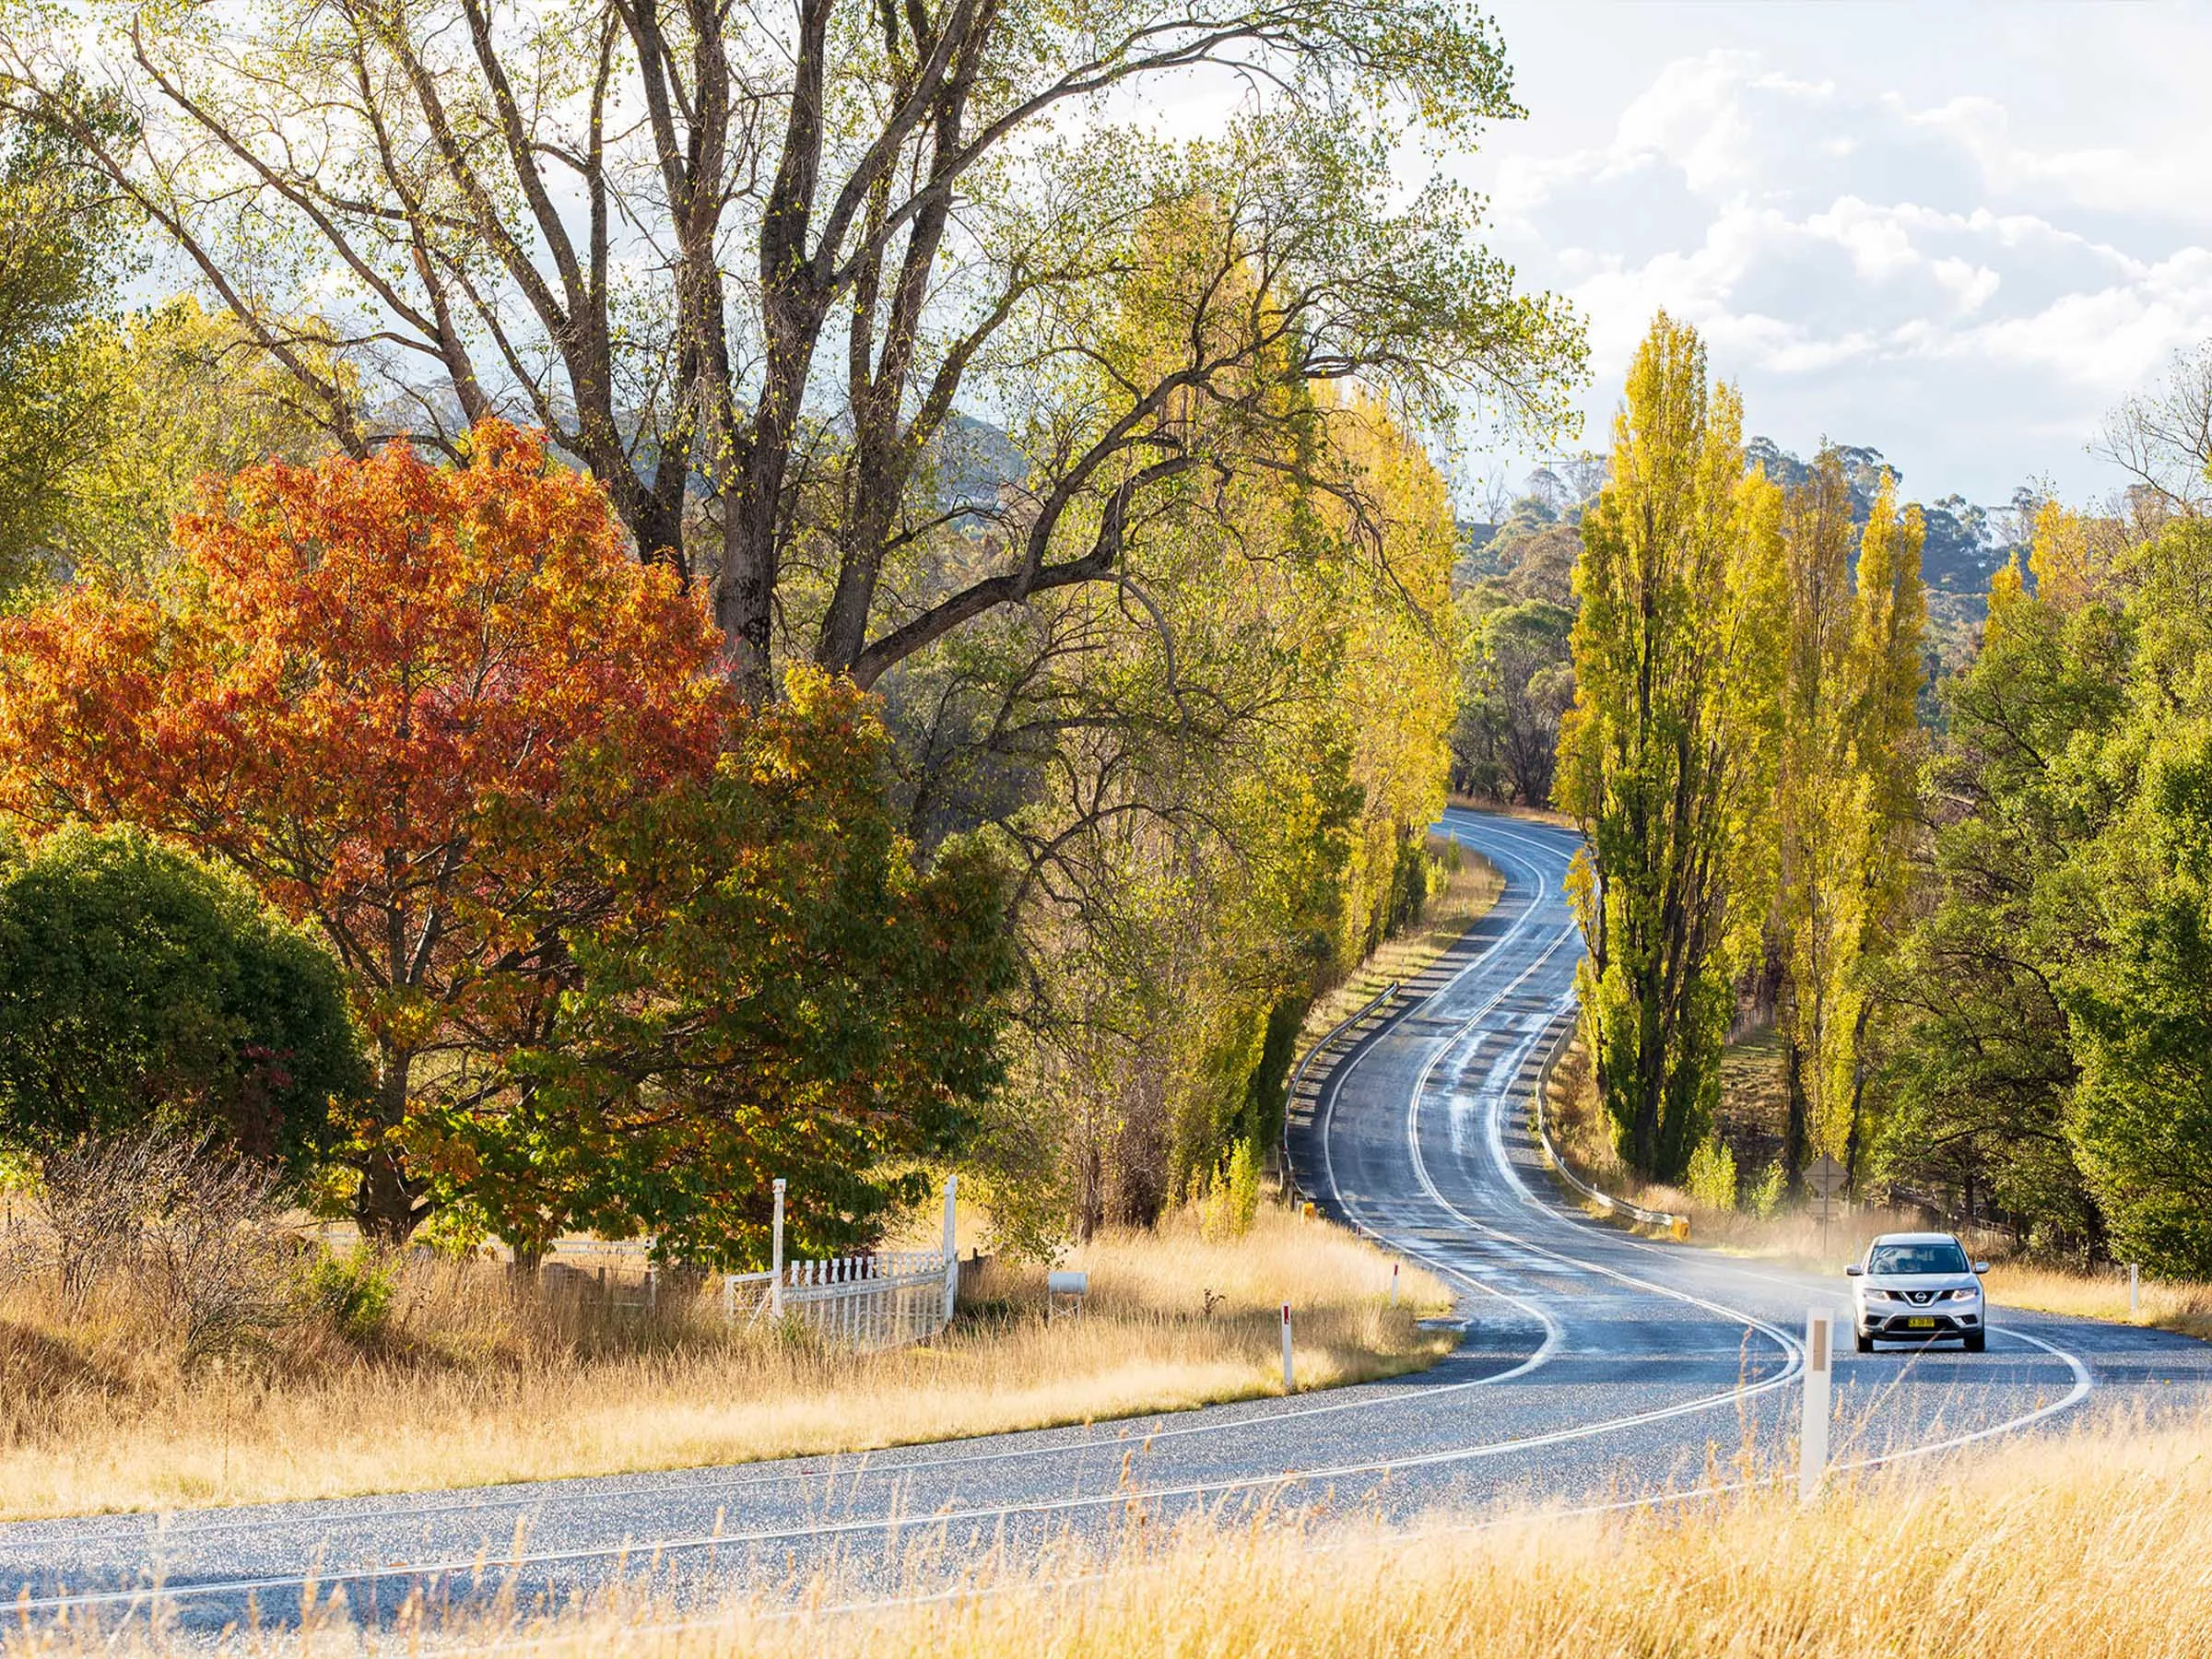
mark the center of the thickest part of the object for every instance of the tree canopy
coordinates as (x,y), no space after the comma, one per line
(746,266)
(1669,755)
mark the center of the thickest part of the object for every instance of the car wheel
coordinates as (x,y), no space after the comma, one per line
(1866,1343)
(1977,1342)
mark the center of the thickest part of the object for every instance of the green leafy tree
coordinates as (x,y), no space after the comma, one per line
(142,988)
(2140,998)
(173,395)
(1668,757)
(773,989)
(62,251)
(1520,684)
(1979,1051)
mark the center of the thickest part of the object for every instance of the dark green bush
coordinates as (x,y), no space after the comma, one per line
(140,987)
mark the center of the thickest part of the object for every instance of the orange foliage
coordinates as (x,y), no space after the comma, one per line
(399,696)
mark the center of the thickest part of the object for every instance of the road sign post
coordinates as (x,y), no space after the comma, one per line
(1812,1434)
(1827,1178)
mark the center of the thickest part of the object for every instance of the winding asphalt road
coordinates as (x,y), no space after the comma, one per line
(1597,1368)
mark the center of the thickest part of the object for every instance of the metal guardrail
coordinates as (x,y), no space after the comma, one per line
(1678,1225)
(1298,1078)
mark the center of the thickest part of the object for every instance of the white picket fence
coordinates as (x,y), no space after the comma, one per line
(884,1298)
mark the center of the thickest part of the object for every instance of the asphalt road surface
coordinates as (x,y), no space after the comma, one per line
(1598,1369)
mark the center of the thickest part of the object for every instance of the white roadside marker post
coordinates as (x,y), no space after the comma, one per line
(1394,1284)
(2135,1287)
(1812,1436)
(1289,1380)
(775,1253)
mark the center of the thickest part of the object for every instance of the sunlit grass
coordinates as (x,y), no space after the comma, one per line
(2084,1547)
(479,1385)
(2182,1305)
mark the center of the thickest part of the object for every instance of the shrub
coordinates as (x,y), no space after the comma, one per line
(1766,1195)
(1711,1180)
(1228,1200)
(180,1224)
(354,1292)
(142,988)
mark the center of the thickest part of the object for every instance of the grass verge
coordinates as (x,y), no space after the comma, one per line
(2088,1547)
(469,1383)
(2168,1304)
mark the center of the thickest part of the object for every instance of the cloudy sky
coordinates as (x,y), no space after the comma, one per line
(1957,232)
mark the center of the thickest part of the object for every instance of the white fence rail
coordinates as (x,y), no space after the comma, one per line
(884,1298)
(877,1300)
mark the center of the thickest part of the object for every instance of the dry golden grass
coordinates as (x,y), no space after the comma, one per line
(1464,899)
(474,1385)
(2092,1547)
(2171,1305)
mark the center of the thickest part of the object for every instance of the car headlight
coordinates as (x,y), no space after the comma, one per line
(1965,1293)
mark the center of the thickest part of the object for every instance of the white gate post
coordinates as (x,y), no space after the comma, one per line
(952,1249)
(1812,1439)
(775,1253)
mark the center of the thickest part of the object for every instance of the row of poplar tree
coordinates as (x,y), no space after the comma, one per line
(1982,906)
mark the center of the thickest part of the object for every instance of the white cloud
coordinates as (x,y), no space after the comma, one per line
(1920,277)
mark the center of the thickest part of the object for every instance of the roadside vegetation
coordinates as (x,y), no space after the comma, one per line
(1761,1223)
(1938,915)
(361,1373)
(2093,1548)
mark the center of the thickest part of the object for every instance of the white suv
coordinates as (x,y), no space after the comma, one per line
(1918,1288)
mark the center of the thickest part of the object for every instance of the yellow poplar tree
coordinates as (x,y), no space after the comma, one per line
(1848,751)
(1667,758)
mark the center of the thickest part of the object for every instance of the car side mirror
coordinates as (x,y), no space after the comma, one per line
(1855,1270)
(1980,1267)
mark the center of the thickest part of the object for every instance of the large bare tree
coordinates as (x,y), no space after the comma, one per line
(749,262)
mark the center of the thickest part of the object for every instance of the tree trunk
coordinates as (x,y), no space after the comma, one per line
(1793,1136)
(383,1203)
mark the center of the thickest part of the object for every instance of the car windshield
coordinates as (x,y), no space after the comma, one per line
(1944,1257)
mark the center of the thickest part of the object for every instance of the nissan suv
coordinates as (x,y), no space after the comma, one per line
(1918,1288)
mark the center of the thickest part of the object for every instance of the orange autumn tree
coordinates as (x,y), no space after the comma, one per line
(403,699)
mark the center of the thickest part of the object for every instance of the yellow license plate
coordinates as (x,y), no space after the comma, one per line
(1920,1324)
